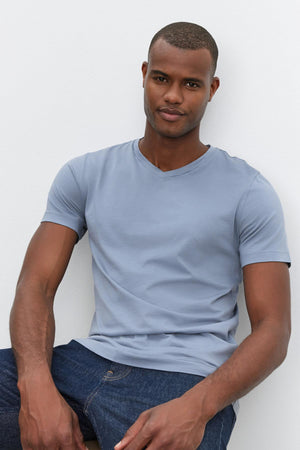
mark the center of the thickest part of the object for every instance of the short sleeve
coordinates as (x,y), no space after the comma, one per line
(260,225)
(66,203)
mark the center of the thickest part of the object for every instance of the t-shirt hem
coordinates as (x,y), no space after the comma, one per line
(65,221)
(266,257)
(202,369)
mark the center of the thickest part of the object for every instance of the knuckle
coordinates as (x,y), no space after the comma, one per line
(61,437)
(165,441)
(46,443)
(66,438)
(150,429)
(144,414)
(154,424)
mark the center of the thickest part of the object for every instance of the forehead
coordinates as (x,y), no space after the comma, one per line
(169,59)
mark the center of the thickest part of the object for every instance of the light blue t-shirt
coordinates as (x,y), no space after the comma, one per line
(168,249)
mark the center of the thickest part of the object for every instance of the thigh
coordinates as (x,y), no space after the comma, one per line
(125,392)
(218,430)
(9,402)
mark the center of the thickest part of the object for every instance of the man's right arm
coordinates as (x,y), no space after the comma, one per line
(46,420)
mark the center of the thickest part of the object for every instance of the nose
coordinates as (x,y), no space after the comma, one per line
(173,95)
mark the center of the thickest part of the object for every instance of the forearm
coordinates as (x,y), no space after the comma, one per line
(45,418)
(32,329)
(256,357)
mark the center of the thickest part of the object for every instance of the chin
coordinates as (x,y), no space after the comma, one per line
(166,130)
(172,134)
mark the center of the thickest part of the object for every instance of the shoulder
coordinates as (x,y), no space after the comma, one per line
(80,173)
(94,161)
(237,172)
(234,166)
(231,176)
(242,183)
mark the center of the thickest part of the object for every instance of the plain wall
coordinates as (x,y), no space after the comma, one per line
(71,83)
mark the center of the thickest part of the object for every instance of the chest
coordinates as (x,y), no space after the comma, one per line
(153,213)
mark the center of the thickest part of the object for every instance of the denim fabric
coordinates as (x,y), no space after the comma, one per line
(107,397)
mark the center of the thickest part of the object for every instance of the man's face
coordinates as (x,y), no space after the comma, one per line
(178,84)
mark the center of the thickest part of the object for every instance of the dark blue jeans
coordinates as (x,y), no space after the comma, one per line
(107,397)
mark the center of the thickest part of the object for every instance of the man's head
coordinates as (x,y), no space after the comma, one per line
(179,79)
(189,36)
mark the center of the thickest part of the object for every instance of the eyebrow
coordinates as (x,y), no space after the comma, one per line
(196,80)
(159,72)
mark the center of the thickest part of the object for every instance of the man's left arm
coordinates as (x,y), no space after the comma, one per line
(180,423)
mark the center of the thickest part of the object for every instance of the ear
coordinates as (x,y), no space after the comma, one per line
(215,83)
(144,71)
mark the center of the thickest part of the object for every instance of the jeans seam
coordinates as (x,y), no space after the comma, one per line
(220,441)
(90,398)
(99,440)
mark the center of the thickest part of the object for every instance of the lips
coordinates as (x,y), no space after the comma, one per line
(170,114)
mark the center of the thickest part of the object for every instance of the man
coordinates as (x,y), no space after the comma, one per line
(174,225)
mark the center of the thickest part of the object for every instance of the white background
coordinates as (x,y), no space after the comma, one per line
(71,83)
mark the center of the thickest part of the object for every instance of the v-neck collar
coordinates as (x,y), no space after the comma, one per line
(174,172)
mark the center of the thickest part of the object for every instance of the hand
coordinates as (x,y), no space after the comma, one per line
(173,425)
(47,421)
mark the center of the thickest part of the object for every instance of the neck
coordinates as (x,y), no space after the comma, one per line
(168,153)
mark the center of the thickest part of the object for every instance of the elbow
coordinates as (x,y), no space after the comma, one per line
(33,288)
(283,344)
(274,336)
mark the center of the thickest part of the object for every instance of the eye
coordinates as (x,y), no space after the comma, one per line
(192,84)
(160,79)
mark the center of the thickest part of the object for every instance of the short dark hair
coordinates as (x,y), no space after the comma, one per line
(189,36)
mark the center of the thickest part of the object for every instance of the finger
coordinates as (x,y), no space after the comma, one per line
(132,431)
(77,434)
(78,437)
(167,444)
(71,447)
(139,442)
(141,439)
